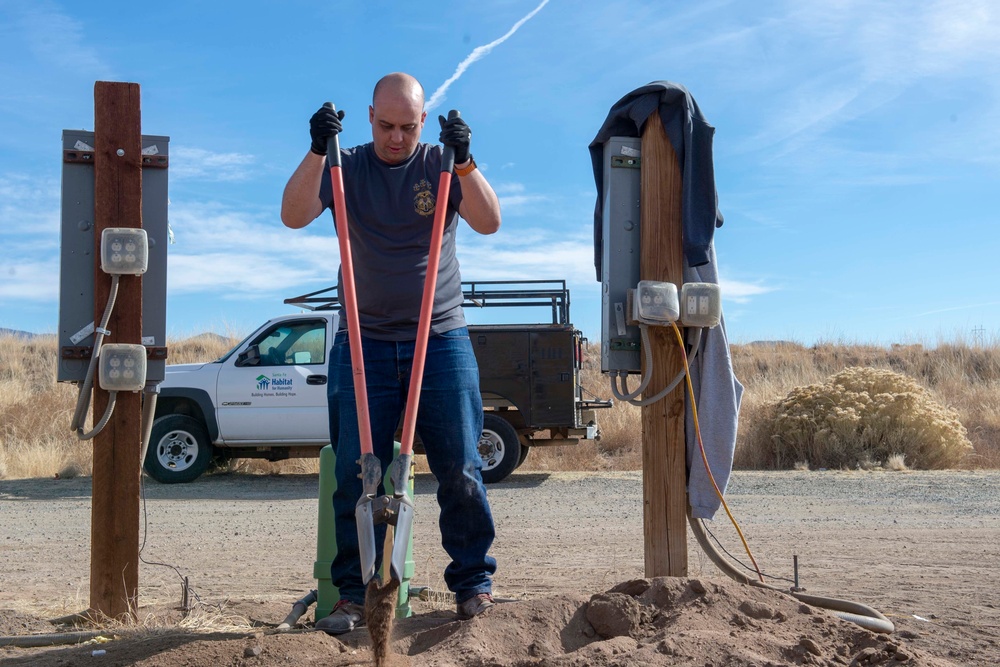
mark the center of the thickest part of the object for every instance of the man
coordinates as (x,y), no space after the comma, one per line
(390,189)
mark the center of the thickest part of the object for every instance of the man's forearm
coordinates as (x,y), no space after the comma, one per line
(300,202)
(480,206)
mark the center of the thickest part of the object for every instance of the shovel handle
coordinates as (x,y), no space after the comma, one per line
(332,143)
(427,304)
(448,153)
(348,291)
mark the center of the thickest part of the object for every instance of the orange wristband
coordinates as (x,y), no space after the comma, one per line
(465,171)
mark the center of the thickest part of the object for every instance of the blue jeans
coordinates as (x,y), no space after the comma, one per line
(449,423)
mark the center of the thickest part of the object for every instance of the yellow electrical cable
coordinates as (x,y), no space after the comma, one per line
(701,447)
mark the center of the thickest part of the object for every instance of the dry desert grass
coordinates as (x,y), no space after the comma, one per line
(959,378)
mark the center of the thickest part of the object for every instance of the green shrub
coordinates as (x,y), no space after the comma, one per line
(862,417)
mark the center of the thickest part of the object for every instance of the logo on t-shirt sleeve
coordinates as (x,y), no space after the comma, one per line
(423,200)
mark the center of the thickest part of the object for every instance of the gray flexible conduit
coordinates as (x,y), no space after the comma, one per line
(854,612)
(298,609)
(34,641)
(623,394)
(83,399)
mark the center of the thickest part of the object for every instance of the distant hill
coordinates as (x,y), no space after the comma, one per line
(773,343)
(17,333)
(208,336)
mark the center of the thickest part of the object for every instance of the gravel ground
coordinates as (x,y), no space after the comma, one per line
(918,546)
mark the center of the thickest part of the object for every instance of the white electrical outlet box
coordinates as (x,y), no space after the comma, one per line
(655,303)
(701,305)
(124,251)
(122,367)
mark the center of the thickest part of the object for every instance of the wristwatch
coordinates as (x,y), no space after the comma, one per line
(468,169)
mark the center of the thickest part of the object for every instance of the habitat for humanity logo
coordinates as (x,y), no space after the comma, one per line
(277,382)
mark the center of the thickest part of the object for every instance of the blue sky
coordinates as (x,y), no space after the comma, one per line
(857,147)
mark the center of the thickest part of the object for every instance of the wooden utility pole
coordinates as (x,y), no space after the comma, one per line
(114,539)
(664,473)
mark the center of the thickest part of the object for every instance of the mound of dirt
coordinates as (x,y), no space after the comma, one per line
(649,622)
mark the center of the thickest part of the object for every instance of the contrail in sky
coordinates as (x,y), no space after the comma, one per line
(477,53)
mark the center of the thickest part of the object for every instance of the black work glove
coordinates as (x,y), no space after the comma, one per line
(456,133)
(324,124)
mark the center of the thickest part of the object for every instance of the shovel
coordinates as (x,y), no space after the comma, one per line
(371,469)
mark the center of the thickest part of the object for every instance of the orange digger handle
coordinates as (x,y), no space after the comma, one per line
(427,303)
(348,292)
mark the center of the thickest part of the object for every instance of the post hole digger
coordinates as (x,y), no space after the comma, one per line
(396,509)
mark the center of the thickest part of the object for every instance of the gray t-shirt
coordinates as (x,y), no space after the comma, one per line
(390,212)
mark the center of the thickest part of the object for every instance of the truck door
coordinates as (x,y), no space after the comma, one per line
(280,396)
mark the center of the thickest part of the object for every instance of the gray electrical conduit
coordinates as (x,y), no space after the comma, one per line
(854,612)
(298,609)
(623,394)
(148,412)
(34,641)
(83,400)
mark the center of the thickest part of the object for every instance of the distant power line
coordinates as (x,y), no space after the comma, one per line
(978,335)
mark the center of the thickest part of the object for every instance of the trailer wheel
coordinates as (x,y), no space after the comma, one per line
(179,450)
(499,447)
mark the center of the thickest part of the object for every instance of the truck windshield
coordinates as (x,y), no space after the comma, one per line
(235,347)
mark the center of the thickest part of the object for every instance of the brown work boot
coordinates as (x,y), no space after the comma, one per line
(345,616)
(474,606)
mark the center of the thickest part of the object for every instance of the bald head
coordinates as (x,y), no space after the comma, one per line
(399,85)
(397,116)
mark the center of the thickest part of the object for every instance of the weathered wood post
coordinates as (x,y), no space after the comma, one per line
(114,543)
(663,448)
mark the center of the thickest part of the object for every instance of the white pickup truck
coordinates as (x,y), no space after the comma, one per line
(266,397)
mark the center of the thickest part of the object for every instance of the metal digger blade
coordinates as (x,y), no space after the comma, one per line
(403,515)
(401,538)
(364,514)
(366,538)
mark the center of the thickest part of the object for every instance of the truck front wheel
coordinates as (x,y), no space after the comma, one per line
(179,450)
(499,447)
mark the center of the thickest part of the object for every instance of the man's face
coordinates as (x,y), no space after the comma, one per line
(396,124)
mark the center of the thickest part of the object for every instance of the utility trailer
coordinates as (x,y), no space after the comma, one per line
(266,398)
(529,374)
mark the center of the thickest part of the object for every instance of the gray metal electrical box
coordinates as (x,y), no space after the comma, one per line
(621,234)
(76,268)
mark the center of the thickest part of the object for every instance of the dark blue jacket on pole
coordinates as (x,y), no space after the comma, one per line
(691,137)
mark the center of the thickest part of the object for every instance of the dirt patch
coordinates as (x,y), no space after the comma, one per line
(661,621)
(915,546)
(13,623)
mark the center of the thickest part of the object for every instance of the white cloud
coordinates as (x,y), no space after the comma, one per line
(218,250)
(203,165)
(250,271)
(528,254)
(509,188)
(29,206)
(29,280)
(738,291)
(514,198)
(55,39)
(871,55)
